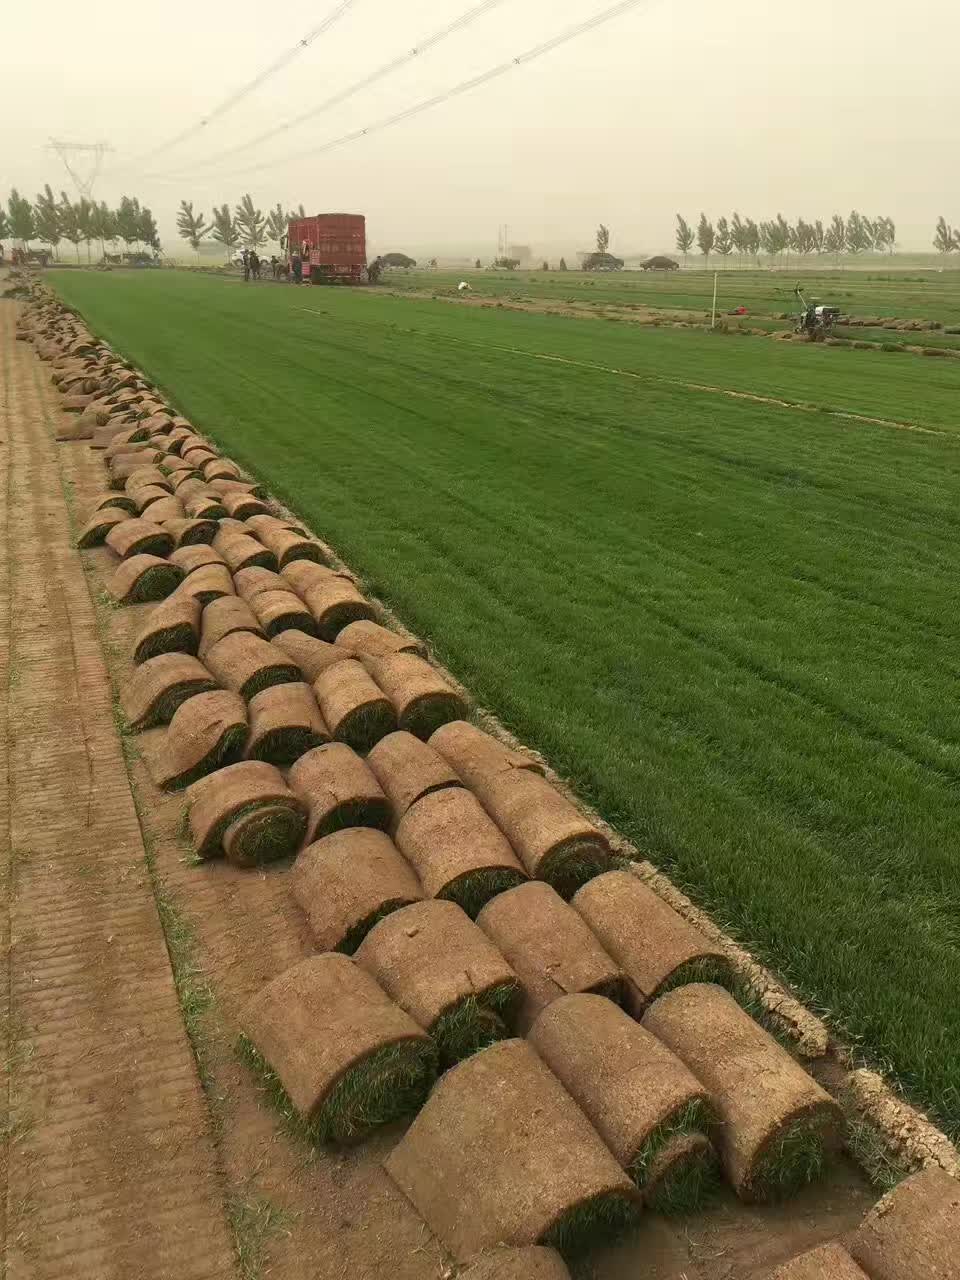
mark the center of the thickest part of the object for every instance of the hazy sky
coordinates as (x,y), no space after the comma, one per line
(760,106)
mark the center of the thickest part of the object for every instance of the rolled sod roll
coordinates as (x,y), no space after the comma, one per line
(246,664)
(501,1154)
(281,611)
(549,946)
(421,697)
(158,686)
(188,532)
(310,654)
(354,708)
(122,501)
(304,574)
(339,790)
(207,582)
(224,616)
(241,551)
(251,582)
(554,841)
(121,440)
(176,468)
(172,627)
(196,556)
(531,1263)
(260,523)
(476,755)
(220,469)
(238,486)
(176,438)
(334,602)
(200,506)
(285,722)
(163,510)
(242,505)
(229,525)
(408,770)
(370,640)
(206,733)
(828,1262)
(150,495)
(639,1097)
(347,1058)
(247,812)
(654,946)
(197,456)
(289,546)
(142,578)
(94,532)
(147,477)
(456,850)
(773,1117)
(445,972)
(136,536)
(913,1231)
(347,881)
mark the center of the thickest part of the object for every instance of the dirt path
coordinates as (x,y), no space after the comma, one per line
(109,1166)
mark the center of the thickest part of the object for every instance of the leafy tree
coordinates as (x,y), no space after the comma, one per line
(147,229)
(685,236)
(944,240)
(803,239)
(752,238)
(785,233)
(20,217)
(400,260)
(104,225)
(603,239)
(298,212)
(602,262)
(4,224)
(225,228)
(818,236)
(191,226)
(544,266)
(128,220)
(70,222)
(476,264)
(85,222)
(277,222)
(706,237)
(739,235)
(859,233)
(251,223)
(563,264)
(724,239)
(46,218)
(433,264)
(835,240)
(886,233)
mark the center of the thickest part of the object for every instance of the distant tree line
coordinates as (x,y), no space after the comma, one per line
(744,236)
(244,225)
(51,221)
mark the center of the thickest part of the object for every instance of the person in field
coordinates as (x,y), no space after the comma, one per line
(245,260)
(296,262)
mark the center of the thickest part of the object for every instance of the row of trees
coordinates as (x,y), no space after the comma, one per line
(51,221)
(244,225)
(945,239)
(854,234)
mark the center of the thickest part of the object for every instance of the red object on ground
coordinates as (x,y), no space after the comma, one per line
(336,246)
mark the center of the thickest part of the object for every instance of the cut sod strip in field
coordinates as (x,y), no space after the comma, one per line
(732,625)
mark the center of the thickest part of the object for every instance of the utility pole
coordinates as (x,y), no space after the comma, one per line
(69,152)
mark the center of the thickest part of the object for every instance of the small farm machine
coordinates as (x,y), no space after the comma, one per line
(815,321)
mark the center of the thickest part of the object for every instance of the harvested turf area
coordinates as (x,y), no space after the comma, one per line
(730,622)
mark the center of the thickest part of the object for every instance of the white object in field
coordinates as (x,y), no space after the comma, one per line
(463,287)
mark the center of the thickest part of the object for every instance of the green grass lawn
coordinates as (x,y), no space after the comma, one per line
(734,626)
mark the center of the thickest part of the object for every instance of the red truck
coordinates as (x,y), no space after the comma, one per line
(332,247)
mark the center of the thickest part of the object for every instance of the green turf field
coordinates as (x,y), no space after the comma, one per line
(734,625)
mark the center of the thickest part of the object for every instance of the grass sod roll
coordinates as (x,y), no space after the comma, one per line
(152,495)
(288,546)
(147,477)
(94,532)
(255,581)
(223,617)
(247,664)
(282,611)
(159,685)
(205,582)
(532,1263)
(188,532)
(347,881)
(773,1118)
(301,575)
(365,638)
(122,501)
(339,789)
(240,506)
(354,708)
(311,655)
(285,722)
(197,455)
(654,946)
(172,627)
(143,578)
(238,486)
(553,840)
(345,1056)
(826,1262)
(201,506)
(501,1154)
(475,755)
(258,525)
(457,850)
(176,438)
(408,769)
(207,732)
(549,946)
(224,809)
(136,536)
(335,602)
(437,965)
(220,469)
(914,1230)
(241,551)
(164,510)
(421,697)
(650,1110)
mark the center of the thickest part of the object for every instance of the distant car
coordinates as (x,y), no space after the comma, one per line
(659,263)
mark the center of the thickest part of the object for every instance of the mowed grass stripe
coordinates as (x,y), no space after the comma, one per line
(732,626)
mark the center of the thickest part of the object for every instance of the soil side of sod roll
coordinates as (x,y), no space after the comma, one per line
(122,501)
(288,546)
(344,1054)
(219,801)
(164,510)
(243,662)
(408,769)
(356,711)
(187,532)
(421,697)
(347,881)
(159,685)
(301,575)
(370,639)
(285,722)
(206,582)
(242,552)
(637,1094)
(550,947)
(339,789)
(501,1154)
(251,582)
(260,523)
(334,602)
(311,655)
(445,972)
(531,1263)
(282,611)
(458,852)
(94,532)
(207,732)
(476,755)
(654,946)
(135,536)
(224,616)
(828,1262)
(774,1119)
(172,627)
(913,1231)
(143,578)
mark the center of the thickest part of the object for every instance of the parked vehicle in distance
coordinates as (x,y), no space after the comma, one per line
(659,263)
(332,247)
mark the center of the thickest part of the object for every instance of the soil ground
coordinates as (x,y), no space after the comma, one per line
(122,1155)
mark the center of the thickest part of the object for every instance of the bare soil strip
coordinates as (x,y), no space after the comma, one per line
(110,1168)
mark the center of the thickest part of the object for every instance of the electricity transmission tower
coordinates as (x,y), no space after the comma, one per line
(70,152)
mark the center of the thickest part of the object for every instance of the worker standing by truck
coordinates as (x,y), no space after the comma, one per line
(296,262)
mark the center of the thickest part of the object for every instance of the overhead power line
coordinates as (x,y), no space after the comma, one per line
(571,33)
(238,95)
